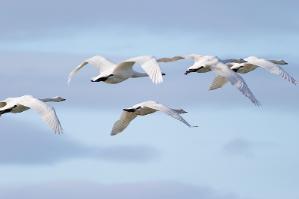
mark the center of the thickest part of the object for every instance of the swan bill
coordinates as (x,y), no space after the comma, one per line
(7,110)
(131,110)
(191,71)
(102,79)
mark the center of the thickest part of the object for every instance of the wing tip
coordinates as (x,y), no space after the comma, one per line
(114,132)
(158,80)
(212,88)
(59,130)
(69,82)
(257,104)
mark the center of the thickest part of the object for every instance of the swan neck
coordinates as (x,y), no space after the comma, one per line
(50,100)
(137,74)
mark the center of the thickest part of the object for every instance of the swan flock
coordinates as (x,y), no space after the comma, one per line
(229,70)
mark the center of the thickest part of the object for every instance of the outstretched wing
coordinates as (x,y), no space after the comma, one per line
(170,59)
(123,67)
(101,63)
(171,112)
(123,122)
(227,61)
(273,68)
(150,65)
(236,80)
(218,82)
(47,112)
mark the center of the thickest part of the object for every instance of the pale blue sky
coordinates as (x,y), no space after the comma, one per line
(238,151)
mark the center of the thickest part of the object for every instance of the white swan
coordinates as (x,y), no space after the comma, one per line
(224,73)
(23,103)
(244,66)
(145,108)
(251,63)
(115,73)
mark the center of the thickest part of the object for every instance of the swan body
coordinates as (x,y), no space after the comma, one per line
(112,73)
(223,72)
(251,63)
(272,66)
(26,102)
(142,109)
(21,108)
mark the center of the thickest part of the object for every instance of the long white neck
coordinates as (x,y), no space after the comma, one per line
(54,99)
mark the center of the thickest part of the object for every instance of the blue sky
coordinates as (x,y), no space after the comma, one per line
(238,151)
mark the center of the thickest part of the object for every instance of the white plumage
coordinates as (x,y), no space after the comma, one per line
(145,108)
(112,73)
(224,74)
(23,103)
(272,66)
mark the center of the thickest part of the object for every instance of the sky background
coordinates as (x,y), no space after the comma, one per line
(238,151)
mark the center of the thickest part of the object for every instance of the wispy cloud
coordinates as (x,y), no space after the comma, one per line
(21,144)
(130,27)
(245,147)
(34,17)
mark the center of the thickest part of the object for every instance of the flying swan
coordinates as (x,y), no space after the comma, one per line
(251,63)
(145,108)
(224,73)
(26,102)
(115,73)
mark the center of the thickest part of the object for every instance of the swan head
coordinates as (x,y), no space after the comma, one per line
(236,66)
(193,70)
(101,78)
(131,110)
(8,110)
(197,67)
(202,64)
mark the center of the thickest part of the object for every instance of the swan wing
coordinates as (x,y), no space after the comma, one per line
(123,122)
(234,60)
(47,112)
(237,81)
(171,112)
(218,82)
(150,66)
(99,62)
(272,68)
(170,59)
(124,67)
